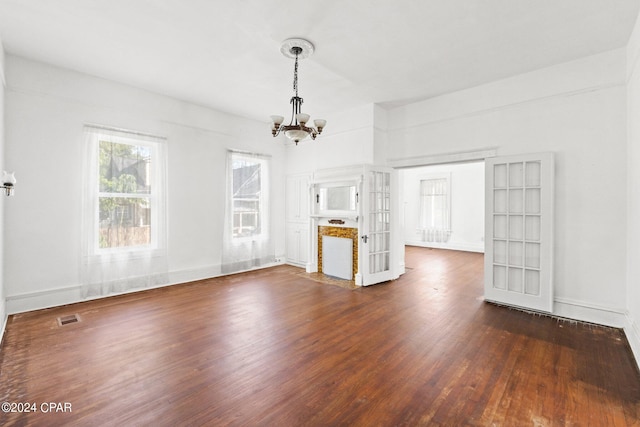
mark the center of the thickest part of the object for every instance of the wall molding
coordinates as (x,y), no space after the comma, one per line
(438,159)
(481,111)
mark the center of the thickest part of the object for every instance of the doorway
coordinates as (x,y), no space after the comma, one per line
(443,206)
(518,193)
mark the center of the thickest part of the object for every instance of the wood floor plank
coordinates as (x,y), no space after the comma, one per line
(271,347)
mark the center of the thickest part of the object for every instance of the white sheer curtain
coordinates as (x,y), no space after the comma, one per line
(124,227)
(435,212)
(246,239)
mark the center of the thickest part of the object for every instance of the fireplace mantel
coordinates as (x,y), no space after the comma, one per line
(358,203)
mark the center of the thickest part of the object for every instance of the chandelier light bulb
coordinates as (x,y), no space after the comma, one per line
(8,178)
(277,120)
(320,124)
(8,182)
(302,118)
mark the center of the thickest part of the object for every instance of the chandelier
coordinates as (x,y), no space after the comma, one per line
(297,129)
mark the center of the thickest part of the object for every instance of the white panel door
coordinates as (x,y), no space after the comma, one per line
(519,231)
(377,227)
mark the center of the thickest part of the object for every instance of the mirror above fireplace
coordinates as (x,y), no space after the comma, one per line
(337,199)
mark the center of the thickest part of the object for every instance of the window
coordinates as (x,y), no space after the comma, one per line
(124,227)
(246,194)
(246,240)
(125,194)
(435,212)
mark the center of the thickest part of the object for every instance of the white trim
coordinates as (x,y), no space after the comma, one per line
(48,298)
(249,154)
(587,312)
(126,133)
(581,311)
(479,111)
(453,246)
(301,264)
(4,326)
(55,297)
(437,159)
(632,331)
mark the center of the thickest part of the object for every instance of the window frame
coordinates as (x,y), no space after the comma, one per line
(96,194)
(262,211)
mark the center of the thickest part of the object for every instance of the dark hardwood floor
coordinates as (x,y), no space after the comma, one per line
(271,348)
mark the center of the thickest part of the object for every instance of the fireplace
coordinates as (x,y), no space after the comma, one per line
(343,232)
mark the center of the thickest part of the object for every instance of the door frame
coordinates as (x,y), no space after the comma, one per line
(461,157)
(432,160)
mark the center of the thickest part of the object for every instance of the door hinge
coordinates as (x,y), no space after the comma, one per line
(365,238)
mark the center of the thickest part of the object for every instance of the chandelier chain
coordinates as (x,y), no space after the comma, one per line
(295,76)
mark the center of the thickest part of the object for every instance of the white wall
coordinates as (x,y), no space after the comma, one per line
(3,307)
(467,205)
(46,110)
(576,110)
(346,140)
(632,327)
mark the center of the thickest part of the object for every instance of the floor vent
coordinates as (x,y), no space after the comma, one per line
(65,320)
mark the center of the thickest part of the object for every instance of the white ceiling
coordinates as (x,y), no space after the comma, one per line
(225,54)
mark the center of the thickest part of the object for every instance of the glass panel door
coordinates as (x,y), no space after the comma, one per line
(518,253)
(376,233)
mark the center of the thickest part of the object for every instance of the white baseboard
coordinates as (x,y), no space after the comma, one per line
(454,246)
(193,274)
(312,267)
(591,313)
(632,331)
(43,299)
(4,325)
(56,297)
(296,264)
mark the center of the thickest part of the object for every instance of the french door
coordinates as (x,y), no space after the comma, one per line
(376,232)
(519,231)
